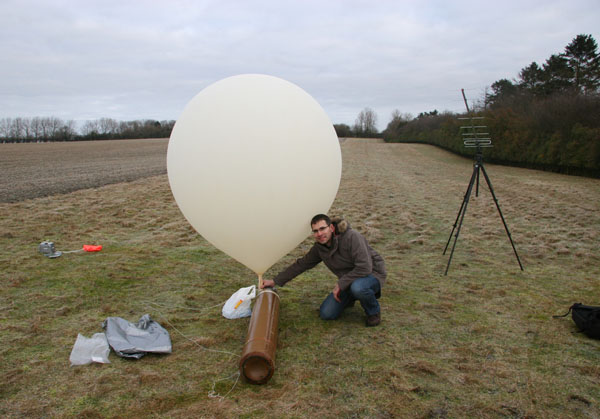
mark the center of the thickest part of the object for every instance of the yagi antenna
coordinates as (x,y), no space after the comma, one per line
(475,136)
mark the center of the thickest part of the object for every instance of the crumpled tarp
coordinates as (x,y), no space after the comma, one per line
(130,340)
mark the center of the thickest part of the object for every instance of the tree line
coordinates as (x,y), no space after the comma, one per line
(547,118)
(44,129)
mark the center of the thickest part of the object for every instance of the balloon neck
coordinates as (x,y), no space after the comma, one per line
(260,281)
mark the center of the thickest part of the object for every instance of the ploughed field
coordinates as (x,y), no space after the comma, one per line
(33,170)
(479,342)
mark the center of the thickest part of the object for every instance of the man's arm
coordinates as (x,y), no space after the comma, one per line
(306,262)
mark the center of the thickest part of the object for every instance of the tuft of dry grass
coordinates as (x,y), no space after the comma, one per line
(479,342)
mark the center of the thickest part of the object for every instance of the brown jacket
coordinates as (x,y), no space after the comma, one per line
(350,257)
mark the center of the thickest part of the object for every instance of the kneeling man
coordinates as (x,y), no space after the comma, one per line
(360,269)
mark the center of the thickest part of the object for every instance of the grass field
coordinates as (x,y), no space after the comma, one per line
(479,342)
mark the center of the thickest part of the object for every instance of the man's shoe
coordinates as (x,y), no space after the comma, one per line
(373,320)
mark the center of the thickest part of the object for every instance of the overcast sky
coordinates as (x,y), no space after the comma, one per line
(131,60)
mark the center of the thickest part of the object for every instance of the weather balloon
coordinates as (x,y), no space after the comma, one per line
(250,160)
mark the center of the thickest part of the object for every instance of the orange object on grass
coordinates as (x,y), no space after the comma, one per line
(92,248)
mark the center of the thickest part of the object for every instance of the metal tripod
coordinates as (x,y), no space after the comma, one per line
(477,167)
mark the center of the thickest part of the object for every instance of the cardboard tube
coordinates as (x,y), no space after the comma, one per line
(257,363)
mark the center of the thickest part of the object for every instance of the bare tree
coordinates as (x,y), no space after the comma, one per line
(366,123)
(90,128)
(16,129)
(36,127)
(55,126)
(5,127)
(400,117)
(108,126)
(398,120)
(69,130)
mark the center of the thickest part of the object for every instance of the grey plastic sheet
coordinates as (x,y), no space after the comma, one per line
(131,340)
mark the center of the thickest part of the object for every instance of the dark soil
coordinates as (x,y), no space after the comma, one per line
(35,170)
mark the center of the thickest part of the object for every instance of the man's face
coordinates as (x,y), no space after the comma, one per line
(322,231)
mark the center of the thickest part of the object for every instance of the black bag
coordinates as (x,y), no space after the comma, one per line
(587,319)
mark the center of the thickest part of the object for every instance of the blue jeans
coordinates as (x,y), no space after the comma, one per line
(362,289)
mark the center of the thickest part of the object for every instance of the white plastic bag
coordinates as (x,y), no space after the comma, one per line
(88,350)
(238,305)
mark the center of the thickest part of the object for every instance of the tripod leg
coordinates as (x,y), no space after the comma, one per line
(477,187)
(465,199)
(461,215)
(456,221)
(487,179)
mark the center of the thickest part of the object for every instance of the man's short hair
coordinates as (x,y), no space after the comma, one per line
(320,217)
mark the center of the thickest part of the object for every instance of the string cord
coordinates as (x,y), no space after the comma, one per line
(214,395)
(211,394)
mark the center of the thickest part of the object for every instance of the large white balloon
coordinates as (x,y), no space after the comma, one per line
(250,160)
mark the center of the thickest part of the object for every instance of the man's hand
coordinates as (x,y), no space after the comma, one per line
(336,293)
(268,283)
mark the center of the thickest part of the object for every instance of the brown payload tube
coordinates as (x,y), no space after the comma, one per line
(258,356)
